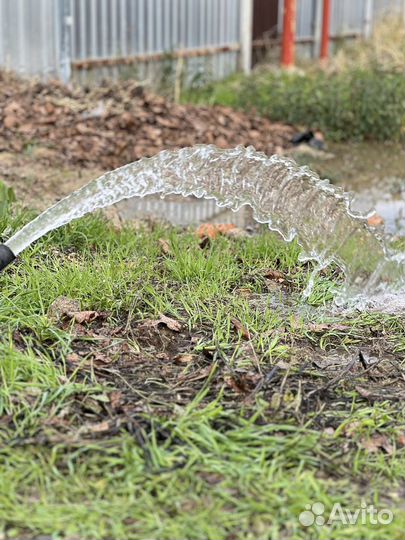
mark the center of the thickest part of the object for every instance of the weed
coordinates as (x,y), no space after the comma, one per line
(354,104)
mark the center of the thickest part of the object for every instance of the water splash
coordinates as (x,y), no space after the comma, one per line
(291,200)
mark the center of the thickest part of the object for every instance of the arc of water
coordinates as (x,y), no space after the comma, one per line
(290,199)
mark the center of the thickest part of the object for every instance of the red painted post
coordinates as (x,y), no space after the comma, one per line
(325,30)
(288,37)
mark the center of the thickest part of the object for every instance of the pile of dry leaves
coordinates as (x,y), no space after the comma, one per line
(117,123)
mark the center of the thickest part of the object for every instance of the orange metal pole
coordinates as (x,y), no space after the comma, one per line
(325,30)
(288,38)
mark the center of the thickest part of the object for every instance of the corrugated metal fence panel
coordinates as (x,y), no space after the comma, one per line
(305,17)
(347,17)
(113,29)
(41,37)
(29,37)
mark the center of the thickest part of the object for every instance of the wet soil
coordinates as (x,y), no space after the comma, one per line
(158,367)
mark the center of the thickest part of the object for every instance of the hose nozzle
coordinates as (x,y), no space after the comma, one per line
(6,256)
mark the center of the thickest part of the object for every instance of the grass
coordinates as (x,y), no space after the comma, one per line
(383,51)
(354,104)
(121,428)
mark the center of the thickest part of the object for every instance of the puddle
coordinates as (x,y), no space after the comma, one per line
(374,172)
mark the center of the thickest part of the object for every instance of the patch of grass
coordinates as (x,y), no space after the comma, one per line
(356,104)
(122,428)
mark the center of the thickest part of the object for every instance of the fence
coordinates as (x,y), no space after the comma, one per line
(349,19)
(87,39)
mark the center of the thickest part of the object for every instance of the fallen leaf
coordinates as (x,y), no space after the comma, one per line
(237,385)
(84,316)
(184,358)
(100,427)
(377,442)
(275,275)
(363,392)
(165,246)
(241,329)
(351,428)
(202,374)
(375,220)
(212,230)
(171,324)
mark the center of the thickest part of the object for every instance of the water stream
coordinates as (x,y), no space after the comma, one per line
(290,199)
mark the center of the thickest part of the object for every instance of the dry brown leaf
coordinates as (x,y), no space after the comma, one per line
(201,374)
(242,384)
(363,392)
(171,324)
(165,246)
(375,220)
(275,275)
(184,358)
(212,230)
(81,317)
(377,442)
(241,329)
(100,427)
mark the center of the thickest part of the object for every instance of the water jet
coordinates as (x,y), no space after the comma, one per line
(289,199)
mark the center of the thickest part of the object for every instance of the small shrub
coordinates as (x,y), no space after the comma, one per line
(356,104)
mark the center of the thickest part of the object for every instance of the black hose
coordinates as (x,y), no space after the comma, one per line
(6,256)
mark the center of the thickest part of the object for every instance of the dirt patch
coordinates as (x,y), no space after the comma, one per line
(155,367)
(37,184)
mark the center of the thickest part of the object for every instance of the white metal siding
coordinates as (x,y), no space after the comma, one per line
(43,37)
